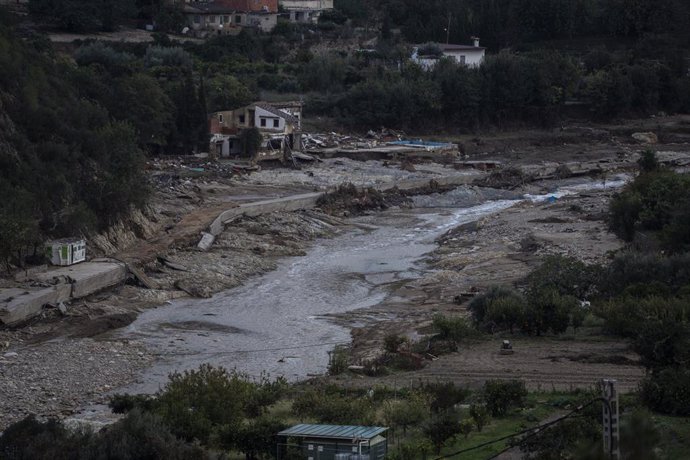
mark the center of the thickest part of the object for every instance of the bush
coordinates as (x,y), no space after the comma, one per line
(479,305)
(196,403)
(501,396)
(649,203)
(142,435)
(332,407)
(632,268)
(99,53)
(444,396)
(507,311)
(568,275)
(455,328)
(31,439)
(139,435)
(648,161)
(392,342)
(441,430)
(480,415)
(667,391)
(339,360)
(158,56)
(123,403)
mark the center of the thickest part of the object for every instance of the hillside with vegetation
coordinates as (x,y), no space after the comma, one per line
(76,128)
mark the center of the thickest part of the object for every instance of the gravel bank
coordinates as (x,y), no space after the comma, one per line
(53,378)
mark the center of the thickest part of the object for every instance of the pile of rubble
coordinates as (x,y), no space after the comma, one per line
(333,140)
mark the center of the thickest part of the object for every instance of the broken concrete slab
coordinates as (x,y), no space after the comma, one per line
(88,277)
(19,304)
(206,241)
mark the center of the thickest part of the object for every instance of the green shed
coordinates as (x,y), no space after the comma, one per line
(332,442)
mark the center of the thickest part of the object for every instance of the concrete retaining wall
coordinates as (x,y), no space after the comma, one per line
(256,208)
(308,200)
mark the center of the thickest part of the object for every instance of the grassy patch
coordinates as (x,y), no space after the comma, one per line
(675,436)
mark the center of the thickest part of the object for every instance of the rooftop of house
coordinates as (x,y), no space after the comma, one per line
(275,111)
(451,47)
(228,7)
(333,431)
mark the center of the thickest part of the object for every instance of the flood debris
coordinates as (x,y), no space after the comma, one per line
(347,199)
(508,178)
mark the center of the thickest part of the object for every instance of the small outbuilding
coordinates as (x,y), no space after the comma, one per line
(66,252)
(333,442)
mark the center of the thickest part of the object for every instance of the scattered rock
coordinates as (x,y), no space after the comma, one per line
(645,138)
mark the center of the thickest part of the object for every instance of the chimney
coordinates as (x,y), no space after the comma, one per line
(476,41)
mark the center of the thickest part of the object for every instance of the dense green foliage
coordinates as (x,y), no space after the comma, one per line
(501,396)
(549,302)
(66,165)
(509,22)
(644,292)
(84,15)
(658,200)
(139,435)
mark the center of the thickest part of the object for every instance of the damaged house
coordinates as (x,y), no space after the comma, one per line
(220,17)
(279,125)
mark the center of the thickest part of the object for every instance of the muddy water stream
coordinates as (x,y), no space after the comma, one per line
(276,323)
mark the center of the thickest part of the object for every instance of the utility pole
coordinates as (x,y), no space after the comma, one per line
(448,29)
(611,418)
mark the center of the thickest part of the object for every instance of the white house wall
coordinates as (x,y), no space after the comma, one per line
(472,58)
(307,4)
(269,117)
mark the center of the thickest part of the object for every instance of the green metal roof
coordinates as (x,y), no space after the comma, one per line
(333,431)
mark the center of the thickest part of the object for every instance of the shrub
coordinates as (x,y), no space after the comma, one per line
(145,436)
(452,328)
(338,360)
(158,56)
(195,403)
(466,425)
(500,396)
(441,430)
(479,305)
(667,391)
(392,342)
(508,311)
(648,161)
(332,407)
(123,403)
(99,53)
(445,395)
(405,413)
(31,439)
(567,275)
(480,415)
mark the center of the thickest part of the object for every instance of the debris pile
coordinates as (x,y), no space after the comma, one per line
(347,200)
(335,140)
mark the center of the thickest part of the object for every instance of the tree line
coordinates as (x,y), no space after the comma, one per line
(507,23)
